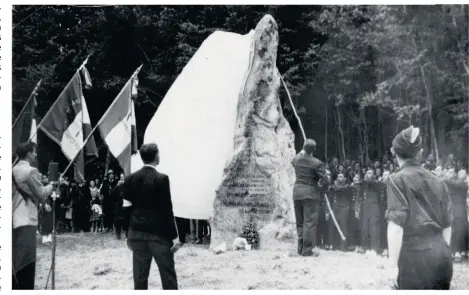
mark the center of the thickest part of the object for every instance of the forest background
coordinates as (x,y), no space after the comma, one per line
(357,74)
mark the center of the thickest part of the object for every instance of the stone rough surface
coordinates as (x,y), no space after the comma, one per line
(258,180)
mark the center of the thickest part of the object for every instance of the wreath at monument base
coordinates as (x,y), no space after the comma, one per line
(251,235)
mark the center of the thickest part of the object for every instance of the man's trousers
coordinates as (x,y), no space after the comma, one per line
(109,213)
(121,221)
(143,253)
(353,238)
(24,257)
(342,214)
(383,228)
(306,214)
(323,229)
(370,226)
(183,226)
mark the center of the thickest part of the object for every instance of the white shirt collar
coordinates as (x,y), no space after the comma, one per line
(148,165)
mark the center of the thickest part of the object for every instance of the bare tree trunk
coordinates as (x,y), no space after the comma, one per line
(378,135)
(365,134)
(341,132)
(349,136)
(430,104)
(337,137)
(360,137)
(327,129)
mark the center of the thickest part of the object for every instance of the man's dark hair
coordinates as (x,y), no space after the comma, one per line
(149,152)
(310,146)
(24,148)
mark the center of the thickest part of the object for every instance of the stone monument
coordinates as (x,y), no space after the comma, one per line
(257,183)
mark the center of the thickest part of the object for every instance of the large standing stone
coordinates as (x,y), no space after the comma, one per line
(194,125)
(258,180)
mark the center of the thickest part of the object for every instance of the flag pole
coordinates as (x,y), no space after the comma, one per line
(30,97)
(101,120)
(304,138)
(55,102)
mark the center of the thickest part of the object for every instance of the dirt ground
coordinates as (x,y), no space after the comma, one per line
(101,262)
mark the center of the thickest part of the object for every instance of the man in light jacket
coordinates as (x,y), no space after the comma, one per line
(28,193)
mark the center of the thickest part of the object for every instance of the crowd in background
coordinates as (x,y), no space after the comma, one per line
(91,206)
(352,168)
(97,206)
(358,199)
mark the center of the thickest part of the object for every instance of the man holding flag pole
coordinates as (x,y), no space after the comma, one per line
(67,123)
(306,192)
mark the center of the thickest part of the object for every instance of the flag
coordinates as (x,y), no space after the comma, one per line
(25,125)
(67,123)
(118,128)
(134,87)
(86,77)
(89,149)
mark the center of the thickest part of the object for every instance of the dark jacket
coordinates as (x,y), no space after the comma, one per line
(309,171)
(117,194)
(418,201)
(152,210)
(342,195)
(106,191)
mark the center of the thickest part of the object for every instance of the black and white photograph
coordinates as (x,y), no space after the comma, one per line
(238,147)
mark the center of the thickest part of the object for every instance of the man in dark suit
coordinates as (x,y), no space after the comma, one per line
(152,231)
(310,172)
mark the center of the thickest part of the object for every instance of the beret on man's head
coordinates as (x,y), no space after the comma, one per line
(407,143)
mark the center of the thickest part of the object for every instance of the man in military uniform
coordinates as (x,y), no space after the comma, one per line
(353,237)
(341,200)
(383,205)
(368,211)
(311,180)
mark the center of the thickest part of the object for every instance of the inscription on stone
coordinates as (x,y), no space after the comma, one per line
(248,190)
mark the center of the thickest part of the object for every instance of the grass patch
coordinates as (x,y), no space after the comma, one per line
(100,262)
